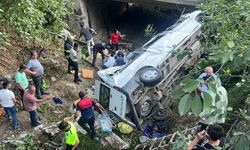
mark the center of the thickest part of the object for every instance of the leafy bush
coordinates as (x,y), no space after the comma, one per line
(150,30)
(35,19)
(226,31)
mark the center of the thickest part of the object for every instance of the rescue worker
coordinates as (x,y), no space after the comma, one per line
(71,136)
(87,33)
(84,106)
(74,57)
(68,44)
(98,48)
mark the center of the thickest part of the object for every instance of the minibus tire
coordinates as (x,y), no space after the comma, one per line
(140,105)
(156,76)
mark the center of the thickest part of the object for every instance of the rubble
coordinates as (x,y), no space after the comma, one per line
(55,63)
(143,139)
(23,134)
(53,79)
(80,129)
(52,129)
(116,142)
(90,92)
(71,85)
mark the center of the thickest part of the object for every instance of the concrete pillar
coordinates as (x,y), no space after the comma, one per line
(84,11)
(97,15)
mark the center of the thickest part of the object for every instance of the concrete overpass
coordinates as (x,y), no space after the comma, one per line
(162,2)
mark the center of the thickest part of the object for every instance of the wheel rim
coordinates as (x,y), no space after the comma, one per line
(150,74)
(145,108)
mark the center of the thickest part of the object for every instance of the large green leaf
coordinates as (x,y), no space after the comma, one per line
(230,44)
(190,85)
(247,54)
(226,57)
(177,93)
(196,105)
(212,87)
(217,97)
(207,101)
(184,104)
(218,56)
(237,61)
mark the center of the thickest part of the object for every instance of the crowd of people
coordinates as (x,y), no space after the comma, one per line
(32,92)
(31,96)
(111,53)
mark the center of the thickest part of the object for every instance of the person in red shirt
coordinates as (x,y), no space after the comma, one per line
(114,39)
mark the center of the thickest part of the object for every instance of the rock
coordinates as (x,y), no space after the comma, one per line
(143,139)
(104,142)
(8,77)
(53,79)
(71,85)
(80,129)
(51,129)
(4,141)
(17,142)
(55,62)
(90,92)
(7,43)
(23,134)
(9,138)
(58,112)
(116,142)
(50,145)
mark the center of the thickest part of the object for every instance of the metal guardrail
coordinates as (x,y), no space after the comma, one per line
(161,143)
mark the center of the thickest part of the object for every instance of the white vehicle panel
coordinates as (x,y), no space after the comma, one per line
(118,103)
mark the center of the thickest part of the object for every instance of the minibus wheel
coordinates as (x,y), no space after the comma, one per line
(145,106)
(151,76)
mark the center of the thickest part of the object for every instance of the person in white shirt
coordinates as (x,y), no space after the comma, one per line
(7,100)
(109,61)
(74,57)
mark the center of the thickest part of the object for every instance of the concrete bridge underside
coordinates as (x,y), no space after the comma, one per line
(162,2)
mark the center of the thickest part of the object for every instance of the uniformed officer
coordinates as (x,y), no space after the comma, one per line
(70,130)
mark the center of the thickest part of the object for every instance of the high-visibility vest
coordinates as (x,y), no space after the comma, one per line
(71,135)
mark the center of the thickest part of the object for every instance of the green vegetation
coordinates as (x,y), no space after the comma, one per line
(150,31)
(88,144)
(226,30)
(35,19)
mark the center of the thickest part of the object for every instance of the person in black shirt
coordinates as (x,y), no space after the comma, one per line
(98,48)
(87,33)
(214,133)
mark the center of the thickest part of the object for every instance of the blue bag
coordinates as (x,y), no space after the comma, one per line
(57,100)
